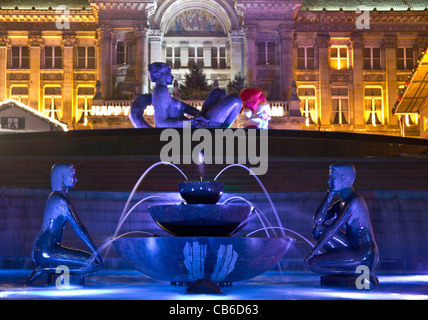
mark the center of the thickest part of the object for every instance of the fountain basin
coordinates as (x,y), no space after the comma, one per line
(219,259)
(201,219)
(205,192)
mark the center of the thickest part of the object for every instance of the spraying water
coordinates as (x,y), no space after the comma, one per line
(261,185)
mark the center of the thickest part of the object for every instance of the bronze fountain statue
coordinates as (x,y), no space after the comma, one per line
(47,253)
(343,230)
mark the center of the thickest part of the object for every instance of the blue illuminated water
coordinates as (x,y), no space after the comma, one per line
(272,285)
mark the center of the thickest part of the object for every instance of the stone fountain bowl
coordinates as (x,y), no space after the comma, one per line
(197,192)
(210,220)
(219,259)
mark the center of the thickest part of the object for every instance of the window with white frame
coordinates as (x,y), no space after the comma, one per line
(52,102)
(13,123)
(405,58)
(373,106)
(372,58)
(20,57)
(19,93)
(305,58)
(196,55)
(218,57)
(308,104)
(84,103)
(173,57)
(340,110)
(266,53)
(53,57)
(339,57)
(86,58)
(125,52)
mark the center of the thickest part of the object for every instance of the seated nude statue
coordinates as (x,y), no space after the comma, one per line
(218,110)
(343,230)
(47,252)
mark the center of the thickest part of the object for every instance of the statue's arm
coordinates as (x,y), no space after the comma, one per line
(343,217)
(78,227)
(321,213)
(187,109)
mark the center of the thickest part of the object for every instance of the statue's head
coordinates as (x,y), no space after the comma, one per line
(63,176)
(160,71)
(252,97)
(342,175)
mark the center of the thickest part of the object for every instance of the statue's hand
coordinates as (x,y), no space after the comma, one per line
(199,122)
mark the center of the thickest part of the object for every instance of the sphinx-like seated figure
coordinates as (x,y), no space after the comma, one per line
(219,110)
(343,230)
(47,253)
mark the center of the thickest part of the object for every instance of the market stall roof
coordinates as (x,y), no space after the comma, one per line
(415,94)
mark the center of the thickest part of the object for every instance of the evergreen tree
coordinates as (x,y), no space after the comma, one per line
(237,84)
(195,86)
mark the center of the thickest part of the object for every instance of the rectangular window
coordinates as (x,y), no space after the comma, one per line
(53,57)
(339,57)
(266,53)
(52,106)
(305,58)
(372,58)
(218,57)
(308,106)
(405,58)
(125,52)
(84,102)
(20,57)
(86,58)
(340,106)
(19,94)
(13,123)
(173,57)
(373,106)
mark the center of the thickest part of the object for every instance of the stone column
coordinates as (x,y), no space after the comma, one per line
(286,59)
(357,47)
(105,59)
(3,65)
(237,62)
(207,54)
(251,53)
(390,43)
(323,44)
(35,42)
(184,54)
(142,58)
(68,107)
(155,40)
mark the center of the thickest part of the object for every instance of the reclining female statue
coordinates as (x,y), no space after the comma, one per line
(219,110)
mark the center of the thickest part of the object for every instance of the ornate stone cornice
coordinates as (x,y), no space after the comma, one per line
(154,34)
(250,30)
(68,40)
(140,31)
(390,41)
(323,41)
(104,31)
(35,40)
(285,31)
(236,35)
(5,40)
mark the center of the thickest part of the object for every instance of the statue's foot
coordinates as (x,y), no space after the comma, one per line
(37,272)
(199,122)
(374,281)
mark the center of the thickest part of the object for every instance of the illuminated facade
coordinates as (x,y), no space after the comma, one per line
(348,73)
